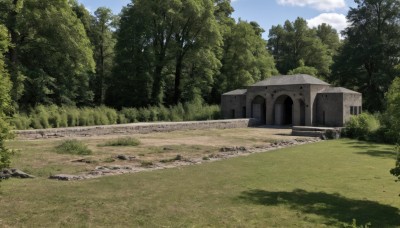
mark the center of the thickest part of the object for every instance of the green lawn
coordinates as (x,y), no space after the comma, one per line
(316,185)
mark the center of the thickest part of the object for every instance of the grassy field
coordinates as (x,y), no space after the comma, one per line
(326,184)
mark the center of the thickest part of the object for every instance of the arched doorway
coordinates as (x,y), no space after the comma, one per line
(283,110)
(259,109)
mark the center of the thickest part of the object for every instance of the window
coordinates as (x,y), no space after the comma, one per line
(244,112)
(359,110)
(233,113)
(351,110)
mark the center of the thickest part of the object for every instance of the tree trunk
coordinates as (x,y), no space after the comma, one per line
(13,53)
(178,76)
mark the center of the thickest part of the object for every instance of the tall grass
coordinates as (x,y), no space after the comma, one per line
(42,117)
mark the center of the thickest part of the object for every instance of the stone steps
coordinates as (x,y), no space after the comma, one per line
(321,132)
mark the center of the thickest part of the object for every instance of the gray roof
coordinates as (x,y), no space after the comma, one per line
(291,80)
(338,90)
(236,92)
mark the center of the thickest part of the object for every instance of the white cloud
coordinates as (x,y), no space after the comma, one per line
(323,5)
(337,21)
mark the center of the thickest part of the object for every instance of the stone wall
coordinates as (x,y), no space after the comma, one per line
(136,128)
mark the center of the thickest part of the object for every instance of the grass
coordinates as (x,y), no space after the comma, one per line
(127,141)
(326,184)
(74,147)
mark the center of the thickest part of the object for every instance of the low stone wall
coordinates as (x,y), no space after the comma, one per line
(136,128)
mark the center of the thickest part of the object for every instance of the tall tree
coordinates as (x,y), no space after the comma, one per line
(328,36)
(246,59)
(5,99)
(103,40)
(294,43)
(370,51)
(196,31)
(163,39)
(10,11)
(52,51)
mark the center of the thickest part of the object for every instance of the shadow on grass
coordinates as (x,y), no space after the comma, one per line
(380,153)
(336,208)
(362,144)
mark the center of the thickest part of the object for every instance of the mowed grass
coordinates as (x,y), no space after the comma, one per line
(325,184)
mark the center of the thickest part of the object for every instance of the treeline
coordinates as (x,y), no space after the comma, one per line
(155,52)
(167,52)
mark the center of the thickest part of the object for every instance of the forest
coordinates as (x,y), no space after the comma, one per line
(158,54)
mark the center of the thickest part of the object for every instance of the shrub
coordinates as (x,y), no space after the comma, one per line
(163,113)
(5,154)
(20,121)
(177,113)
(73,116)
(73,147)
(362,127)
(122,119)
(144,115)
(42,117)
(396,170)
(127,141)
(131,114)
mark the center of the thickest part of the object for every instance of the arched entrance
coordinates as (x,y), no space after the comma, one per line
(259,109)
(283,110)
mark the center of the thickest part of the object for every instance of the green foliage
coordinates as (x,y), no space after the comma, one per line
(50,49)
(363,126)
(369,55)
(295,42)
(5,100)
(73,147)
(5,154)
(127,141)
(171,42)
(396,170)
(302,69)
(245,58)
(42,117)
(392,119)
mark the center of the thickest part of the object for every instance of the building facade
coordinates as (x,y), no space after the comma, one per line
(298,100)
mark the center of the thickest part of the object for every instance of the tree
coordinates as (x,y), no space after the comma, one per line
(5,99)
(9,11)
(302,69)
(393,117)
(103,41)
(367,59)
(195,36)
(159,42)
(246,59)
(329,37)
(295,42)
(51,49)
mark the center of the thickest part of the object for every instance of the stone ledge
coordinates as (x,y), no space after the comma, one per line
(135,128)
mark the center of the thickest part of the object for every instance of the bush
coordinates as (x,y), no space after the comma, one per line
(131,114)
(21,122)
(52,116)
(73,147)
(163,113)
(127,141)
(396,170)
(5,154)
(363,127)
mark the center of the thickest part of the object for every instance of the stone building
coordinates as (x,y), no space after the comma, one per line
(299,100)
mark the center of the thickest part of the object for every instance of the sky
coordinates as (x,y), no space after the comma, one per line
(268,12)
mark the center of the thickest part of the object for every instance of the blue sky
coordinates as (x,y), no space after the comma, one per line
(268,12)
